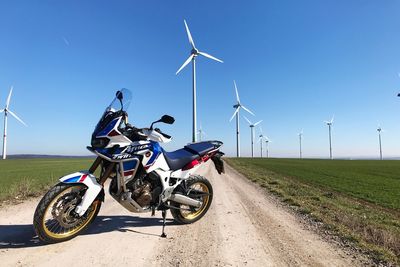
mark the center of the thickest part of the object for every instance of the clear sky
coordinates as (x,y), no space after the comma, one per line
(296,63)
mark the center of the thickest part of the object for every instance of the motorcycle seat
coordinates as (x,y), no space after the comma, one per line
(200,148)
(176,160)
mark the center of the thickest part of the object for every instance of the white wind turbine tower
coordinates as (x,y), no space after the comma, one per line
(201,133)
(300,141)
(237,108)
(380,141)
(260,140)
(6,111)
(267,141)
(251,125)
(329,123)
(193,54)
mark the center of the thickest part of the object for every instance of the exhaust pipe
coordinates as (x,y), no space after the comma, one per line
(181,199)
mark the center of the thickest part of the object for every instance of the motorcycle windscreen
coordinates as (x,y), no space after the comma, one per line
(118,106)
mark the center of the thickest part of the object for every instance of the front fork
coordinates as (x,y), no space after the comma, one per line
(94,185)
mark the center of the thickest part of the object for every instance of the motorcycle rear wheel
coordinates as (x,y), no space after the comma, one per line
(185,214)
(54,220)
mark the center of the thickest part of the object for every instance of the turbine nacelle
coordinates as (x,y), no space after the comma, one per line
(194,52)
(238,105)
(252,125)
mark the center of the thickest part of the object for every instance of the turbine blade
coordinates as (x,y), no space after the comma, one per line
(184,64)
(248,110)
(15,116)
(333,117)
(9,97)
(189,35)
(257,123)
(236,111)
(210,56)
(247,120)
(261,130)
(237,94)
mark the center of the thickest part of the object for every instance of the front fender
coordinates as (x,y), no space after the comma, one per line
(93,188)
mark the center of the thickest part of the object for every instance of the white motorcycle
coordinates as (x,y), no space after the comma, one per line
(144,177)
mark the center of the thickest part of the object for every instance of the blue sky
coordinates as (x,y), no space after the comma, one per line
(296,63)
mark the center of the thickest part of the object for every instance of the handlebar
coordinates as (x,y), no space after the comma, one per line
(137,133)
(163,134)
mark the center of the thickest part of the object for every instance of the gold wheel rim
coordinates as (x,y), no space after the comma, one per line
(191,215)
(53,228)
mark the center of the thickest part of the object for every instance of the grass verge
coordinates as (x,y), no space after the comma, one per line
(22,178)
(358,201)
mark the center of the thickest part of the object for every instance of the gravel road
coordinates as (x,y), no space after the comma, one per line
(244,227)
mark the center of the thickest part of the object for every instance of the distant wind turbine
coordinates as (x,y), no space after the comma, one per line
(329,123)
(237,108)
(260,140)
(201,133)
(251,125)
(6,110)
(380,141)
(300,139)
(193,54)
(267,141)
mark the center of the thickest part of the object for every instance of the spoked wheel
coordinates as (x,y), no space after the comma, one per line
(55,219)
(198,188)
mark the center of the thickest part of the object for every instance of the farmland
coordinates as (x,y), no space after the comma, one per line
(357,200)
(21,178)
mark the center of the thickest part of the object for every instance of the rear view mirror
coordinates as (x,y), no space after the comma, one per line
(167,119)
(119,95)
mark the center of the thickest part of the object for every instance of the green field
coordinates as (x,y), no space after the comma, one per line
(357,200)
(21,178)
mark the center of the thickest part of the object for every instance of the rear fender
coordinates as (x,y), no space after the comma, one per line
(219,164)
(93,188)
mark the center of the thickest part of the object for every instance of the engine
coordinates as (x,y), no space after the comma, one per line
(142,194)
(146,189)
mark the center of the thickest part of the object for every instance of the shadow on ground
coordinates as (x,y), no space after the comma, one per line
(22,236)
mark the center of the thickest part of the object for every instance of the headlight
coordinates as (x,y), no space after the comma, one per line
(100,142)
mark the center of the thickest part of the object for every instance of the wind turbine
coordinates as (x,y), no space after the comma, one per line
(260,140)
(267,141)
(252,134)
(6,111)
(329,123)
(193,54)
(237,108)
(380,141)
(300,139)
(201,133)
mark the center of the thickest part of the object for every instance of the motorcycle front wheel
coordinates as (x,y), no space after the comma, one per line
(199,188)
(54,220)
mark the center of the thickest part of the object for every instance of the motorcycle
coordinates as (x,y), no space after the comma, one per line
(144,177)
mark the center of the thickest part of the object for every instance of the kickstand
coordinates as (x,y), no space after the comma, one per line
(164,215)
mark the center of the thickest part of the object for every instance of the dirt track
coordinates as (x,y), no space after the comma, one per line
(242,227)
